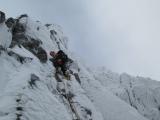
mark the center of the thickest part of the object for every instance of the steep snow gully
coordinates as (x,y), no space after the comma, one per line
(28,88)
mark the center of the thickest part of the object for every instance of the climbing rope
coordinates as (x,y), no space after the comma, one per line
(69,99)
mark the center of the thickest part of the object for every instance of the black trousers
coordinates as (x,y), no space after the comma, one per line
(62,67)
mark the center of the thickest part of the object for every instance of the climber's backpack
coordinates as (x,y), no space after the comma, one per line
(61,55)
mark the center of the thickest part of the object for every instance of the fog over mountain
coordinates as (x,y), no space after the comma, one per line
(125,32)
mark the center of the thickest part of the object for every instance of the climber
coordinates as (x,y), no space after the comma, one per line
(60,60)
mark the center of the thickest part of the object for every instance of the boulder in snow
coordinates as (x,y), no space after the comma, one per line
(31,44)
(18,57)
(10,22)
(33,80)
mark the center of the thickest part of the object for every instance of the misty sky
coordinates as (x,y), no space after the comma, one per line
(123,35)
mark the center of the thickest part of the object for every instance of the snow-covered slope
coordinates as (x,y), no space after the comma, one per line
(28,88)
(5,36)
(141,93)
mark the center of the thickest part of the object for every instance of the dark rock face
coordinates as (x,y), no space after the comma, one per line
(1,49)
(18,31)
(19,108)
(30,44)
(47,25)
(77,77)
(21,16)
(10,22)
(41,54)
(20,38)
(88,111)
(18,57)
(53,32)
(2,17)
(34,79)
(18,28)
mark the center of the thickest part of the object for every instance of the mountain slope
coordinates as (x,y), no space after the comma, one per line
(28,85)
(141,93)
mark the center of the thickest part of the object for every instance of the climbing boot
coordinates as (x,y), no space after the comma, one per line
(67,76)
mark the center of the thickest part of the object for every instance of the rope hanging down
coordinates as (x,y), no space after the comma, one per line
(68,99)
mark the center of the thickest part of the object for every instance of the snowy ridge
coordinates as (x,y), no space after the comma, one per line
(5,36)
(141,93)
(29,88)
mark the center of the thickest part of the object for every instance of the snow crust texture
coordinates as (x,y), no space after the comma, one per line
(143,94)
(28,88)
